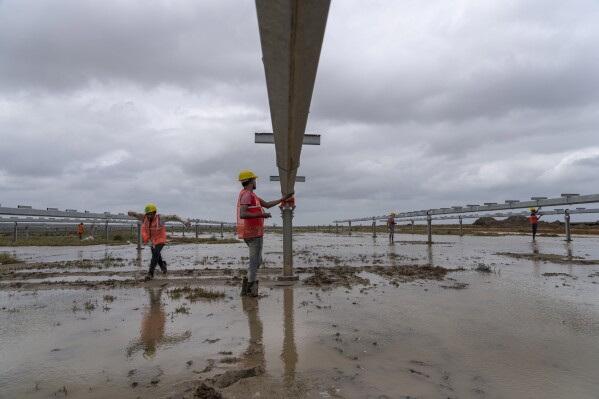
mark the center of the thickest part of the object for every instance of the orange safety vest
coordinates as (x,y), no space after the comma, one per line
(153,231)
(250,228)
(534,219)
(80,229)
(390,221)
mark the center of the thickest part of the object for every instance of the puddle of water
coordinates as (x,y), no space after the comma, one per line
(510,333)
(416,341)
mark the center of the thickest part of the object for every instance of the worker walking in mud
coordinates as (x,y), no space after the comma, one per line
(80,230)
(391,227)
(534,221)
(250,227)
(154,230)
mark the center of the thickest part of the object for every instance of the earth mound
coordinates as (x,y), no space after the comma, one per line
(512,221)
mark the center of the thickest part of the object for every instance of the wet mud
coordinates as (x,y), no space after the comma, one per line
(366,320)
(561,259)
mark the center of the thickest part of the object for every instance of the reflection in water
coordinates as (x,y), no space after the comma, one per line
(151,333)
(392,255)
(430,255)
(535,260)
(569,255)
(289,353)
(138,258)
(254,354)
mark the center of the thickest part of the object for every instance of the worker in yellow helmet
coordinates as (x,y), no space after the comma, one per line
(391,227)
(250,226)
(534,221)
(153,230)
(80,230)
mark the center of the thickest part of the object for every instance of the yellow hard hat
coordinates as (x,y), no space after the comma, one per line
(532,209)
(393,214)
(150,208)
(246,175)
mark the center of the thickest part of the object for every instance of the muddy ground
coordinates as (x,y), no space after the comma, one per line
(488,317)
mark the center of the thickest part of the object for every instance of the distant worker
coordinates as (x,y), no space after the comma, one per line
(534,221)
(391,227)
(250,227)
(153,229)
(80,230)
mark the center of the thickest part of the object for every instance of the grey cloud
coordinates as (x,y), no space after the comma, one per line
(109,105)
(65,45)
(493,62)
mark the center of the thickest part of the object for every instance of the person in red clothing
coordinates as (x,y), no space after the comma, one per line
(80,230)
(534,221)
(391,227)
(250,227)
(154,230)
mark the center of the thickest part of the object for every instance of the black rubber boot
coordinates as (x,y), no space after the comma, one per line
(163,267)
(244,286)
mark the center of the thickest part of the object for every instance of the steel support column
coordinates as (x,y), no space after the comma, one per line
(429,225)
(373,227)
(567,221)
(350,228)
(106,231)
(222,231)
(197,230)
(139,235)
(15,232)
(461,231)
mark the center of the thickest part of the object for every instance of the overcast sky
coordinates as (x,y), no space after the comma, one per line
(108,105)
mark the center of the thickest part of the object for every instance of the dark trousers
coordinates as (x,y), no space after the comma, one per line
(156,258)
(534,230)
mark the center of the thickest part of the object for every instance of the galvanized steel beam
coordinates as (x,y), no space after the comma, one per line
(53,215)
(269,138)
(298,179)
(52,212)
(564,200)
(291,36)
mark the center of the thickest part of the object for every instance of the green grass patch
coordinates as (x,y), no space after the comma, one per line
(482,268)
(89,305)
(182,309)
(69,240)
(8,259)
(109,298)
(194,294)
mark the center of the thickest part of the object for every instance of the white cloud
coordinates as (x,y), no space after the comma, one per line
(107,160)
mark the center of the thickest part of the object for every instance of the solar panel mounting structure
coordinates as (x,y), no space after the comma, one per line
(291,36)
